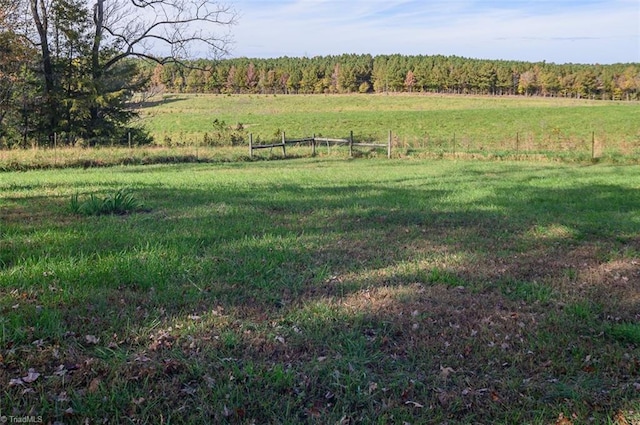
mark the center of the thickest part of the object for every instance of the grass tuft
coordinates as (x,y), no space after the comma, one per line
(119,203)
(626,332)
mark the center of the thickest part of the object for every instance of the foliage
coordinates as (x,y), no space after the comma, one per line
(76,82)
(18,90)
(225,135)
(350,73)
(120,202)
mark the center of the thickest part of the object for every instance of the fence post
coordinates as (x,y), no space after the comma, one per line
(250,145)
(517,143)
(389,146)
(284,151)
(351,144)
(593,145)
(313,145)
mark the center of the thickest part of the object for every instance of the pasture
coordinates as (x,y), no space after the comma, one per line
(324,290)
(569,129)
(217,128)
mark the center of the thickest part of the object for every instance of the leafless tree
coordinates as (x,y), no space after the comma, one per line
(162,30)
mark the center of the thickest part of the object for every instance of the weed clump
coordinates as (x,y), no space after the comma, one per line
(119,203)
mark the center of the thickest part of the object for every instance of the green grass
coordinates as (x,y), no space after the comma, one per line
(195,129)
(321,291)
(121,202)
(437,124)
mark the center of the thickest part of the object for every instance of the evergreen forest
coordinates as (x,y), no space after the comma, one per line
(352,73)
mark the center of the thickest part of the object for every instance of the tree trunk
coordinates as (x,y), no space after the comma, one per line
(98,20)
(39,12)
(96,70)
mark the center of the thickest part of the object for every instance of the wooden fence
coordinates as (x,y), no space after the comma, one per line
(314,141)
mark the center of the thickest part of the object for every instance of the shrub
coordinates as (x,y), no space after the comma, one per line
(225,135)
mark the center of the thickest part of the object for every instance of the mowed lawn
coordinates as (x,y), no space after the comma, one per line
(323,291)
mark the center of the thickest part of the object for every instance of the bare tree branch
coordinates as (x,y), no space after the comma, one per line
(165,30)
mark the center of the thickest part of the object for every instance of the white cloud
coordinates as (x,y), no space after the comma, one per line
(587,31)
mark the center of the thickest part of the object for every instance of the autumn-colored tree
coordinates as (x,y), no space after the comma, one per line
(410,81)
(230,85)
(252,78)
(528,83)
(628,83)
(443,74)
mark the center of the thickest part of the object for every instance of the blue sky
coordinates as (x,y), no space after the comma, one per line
(560,31)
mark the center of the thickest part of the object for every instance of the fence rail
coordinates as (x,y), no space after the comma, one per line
(313,141)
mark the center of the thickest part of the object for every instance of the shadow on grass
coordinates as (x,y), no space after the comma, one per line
(359,301)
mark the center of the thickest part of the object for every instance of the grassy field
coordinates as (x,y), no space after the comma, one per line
(427,122)
(203,128)
(323,291)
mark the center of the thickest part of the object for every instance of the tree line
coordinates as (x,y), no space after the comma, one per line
(352,73)
(69,68)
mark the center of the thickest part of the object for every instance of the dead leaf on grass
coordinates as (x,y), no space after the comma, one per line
(445,372)
(91,339)
(162,340)
(620,419)
(60,370)
(138,401)
(142,358)
(562,420)
(444,399)
(210,381)
(31,376)
(414,404)
(344,421)
(94,385)
(188,390)
(226,412)
(314,411)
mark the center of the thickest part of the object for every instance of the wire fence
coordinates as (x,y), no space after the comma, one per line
(593,147)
